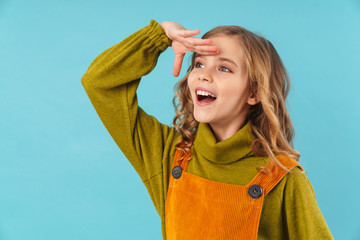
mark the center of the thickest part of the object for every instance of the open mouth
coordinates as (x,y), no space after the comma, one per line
(205,97)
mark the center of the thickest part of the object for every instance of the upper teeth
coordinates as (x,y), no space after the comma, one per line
(204,93)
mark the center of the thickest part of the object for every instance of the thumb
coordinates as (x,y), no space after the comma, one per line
(177,64)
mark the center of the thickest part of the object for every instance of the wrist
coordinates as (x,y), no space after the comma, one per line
(163,26)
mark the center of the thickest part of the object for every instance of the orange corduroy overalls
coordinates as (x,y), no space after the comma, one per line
(198,208)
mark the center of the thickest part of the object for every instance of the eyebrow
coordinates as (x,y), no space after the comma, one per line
(220,58)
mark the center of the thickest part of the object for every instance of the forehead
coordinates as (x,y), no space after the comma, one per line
(229,47)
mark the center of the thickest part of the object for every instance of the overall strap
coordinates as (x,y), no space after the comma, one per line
(268,180)
(177,158)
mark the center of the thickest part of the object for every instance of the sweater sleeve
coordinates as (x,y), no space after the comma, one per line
(111,82)
(303,217)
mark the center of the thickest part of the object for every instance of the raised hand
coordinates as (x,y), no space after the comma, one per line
(183,42)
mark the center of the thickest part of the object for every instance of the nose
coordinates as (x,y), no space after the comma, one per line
(205,76)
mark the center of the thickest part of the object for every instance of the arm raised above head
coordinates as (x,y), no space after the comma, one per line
(111,82)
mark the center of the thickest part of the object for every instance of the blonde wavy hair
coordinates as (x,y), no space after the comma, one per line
(269,119)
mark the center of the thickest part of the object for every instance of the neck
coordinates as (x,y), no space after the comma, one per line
(225,131)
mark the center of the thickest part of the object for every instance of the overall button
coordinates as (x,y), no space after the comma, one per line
(176,172)
(255,191)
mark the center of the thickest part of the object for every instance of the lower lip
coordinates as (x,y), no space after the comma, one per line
(204,103)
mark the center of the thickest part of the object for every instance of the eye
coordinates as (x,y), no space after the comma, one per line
(225,69)
(198,64)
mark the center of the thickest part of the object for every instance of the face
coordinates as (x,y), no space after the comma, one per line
(219,85)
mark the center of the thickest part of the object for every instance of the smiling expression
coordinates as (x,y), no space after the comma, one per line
(219,85)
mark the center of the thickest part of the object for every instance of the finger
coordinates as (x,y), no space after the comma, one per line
(198,41)
(189,33)
(177,64)
(192,44)
(188,45)
(212,49)
(206,53)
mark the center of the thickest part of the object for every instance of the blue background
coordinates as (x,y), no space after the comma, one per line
(61,174)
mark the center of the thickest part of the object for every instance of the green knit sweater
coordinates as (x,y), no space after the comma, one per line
(289,211)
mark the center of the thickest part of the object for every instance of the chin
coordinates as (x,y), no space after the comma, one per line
(201,119)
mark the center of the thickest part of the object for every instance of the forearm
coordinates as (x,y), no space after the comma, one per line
(128,60)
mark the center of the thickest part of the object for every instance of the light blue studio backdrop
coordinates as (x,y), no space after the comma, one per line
(61,174)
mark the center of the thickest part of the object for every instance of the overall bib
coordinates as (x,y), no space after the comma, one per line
(198,208)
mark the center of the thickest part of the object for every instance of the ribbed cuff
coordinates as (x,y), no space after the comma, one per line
(157,35)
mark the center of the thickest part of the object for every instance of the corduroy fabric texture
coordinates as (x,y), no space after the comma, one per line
(289,211)
(201,209)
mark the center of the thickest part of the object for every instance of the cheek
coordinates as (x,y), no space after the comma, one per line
(190,79)
(236,93)
(234,89)
(190,82)
(191,86)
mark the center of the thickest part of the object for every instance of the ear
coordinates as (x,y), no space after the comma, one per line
(252,99)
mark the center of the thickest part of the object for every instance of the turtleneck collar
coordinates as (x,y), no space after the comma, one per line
(227,151)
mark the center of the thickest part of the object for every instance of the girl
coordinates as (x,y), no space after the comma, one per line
(227,169)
